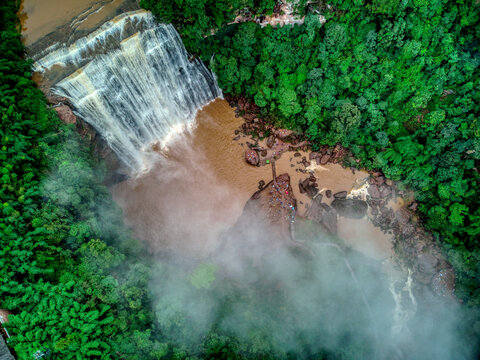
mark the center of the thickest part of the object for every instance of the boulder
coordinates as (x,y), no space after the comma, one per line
(385,191)
(340,195)
(403,216)
(443,283)
(271,141)
(55,99)
(261,184)
(351,208)
(425,267)
(301,188)
(116,178)
(313,155)
(328,193)
(311,190)
(65,114)
(241,103)
(380,180)
(249,117)
(407,230)
(324,159)
(323,214)
(329,219)
(283,133)
(373,191)
(251,157)
(413,206)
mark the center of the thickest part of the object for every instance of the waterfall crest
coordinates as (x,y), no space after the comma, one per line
(132,81)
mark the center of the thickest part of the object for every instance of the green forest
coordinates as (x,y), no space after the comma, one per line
(395,81)
(73,293)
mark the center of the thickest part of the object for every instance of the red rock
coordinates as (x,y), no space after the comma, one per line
(403,216)
(313,155)
(241,103)
(271,141)
(249,117)
(373,191)
(380,180)
(324,159)
(283,133)
(65,114)
(55,99)
(251,157)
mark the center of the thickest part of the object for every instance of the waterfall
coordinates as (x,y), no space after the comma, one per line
(131,79)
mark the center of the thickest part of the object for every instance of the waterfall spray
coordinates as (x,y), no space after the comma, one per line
(132,81)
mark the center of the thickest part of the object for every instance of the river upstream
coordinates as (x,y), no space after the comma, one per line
(166,120)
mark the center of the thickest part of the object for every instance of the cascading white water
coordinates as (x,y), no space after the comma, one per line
(133,82)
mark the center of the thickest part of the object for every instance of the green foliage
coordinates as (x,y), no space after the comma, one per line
(74,294)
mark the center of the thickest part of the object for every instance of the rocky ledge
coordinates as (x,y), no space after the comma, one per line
(415,248)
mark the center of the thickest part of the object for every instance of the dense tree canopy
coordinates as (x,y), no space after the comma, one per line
(73,291)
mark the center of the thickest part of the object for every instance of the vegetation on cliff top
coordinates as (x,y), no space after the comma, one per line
(395,81)
(71,293)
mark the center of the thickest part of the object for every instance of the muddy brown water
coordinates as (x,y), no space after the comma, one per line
(201,183)
(40,18)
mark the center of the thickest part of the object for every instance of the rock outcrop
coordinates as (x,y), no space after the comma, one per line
(351,208)
(66,115)
(251,157)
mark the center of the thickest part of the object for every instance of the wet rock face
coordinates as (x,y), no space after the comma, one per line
(373,192)
(425,268)
(323,214)
(403,216)
(443,283)
(55,99)
(351,208)
(251,157)
(66,114)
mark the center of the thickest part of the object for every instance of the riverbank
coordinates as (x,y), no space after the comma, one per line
(390,208)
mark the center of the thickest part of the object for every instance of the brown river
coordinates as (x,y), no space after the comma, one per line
(201,183)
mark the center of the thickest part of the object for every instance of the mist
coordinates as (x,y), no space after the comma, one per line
(222,270)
